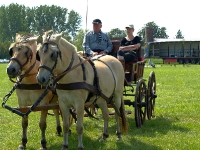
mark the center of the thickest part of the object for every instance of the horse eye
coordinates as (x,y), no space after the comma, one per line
(26,53)
(19,48)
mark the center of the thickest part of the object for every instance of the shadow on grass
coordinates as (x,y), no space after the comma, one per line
(157,125)
(92,135)
(94,144)
(131,140)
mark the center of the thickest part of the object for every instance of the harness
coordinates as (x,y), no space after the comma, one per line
(19,85)
(94,89)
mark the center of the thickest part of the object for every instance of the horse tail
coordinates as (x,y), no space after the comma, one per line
(123,120)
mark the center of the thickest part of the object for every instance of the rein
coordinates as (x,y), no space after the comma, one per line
(13,110)
(18,85)
(60,76)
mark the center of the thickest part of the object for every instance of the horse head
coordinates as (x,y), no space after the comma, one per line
(23,53)
(48,53)
(54,52)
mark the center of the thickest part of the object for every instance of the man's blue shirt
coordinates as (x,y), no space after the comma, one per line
(91,42)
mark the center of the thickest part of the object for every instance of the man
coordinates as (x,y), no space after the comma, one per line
(96,42)
(151,64)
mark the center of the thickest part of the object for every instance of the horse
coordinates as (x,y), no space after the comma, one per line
(24,66)
(81,82)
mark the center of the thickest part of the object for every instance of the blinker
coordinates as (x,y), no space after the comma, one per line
(54,55)
(11,52)
(45,47)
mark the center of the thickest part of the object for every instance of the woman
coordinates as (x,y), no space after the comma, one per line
(128,46)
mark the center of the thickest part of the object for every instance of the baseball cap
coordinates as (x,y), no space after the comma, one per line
(130,26)
(96,21)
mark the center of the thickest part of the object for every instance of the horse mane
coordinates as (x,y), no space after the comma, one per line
(57,38)
(67,45)
(26,40)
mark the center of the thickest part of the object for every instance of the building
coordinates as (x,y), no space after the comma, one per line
(172,50)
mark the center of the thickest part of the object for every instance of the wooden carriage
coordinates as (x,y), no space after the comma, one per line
(143,97)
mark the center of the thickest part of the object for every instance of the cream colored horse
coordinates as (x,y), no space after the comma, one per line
(23,64)
(56,56)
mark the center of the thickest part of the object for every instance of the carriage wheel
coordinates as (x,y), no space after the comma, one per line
(151,95)
(140,103)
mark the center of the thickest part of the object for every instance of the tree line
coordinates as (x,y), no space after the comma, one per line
(17,18)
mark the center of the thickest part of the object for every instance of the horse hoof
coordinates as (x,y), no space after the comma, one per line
(80,148)
(102,140)
(64,147)
(119,139)
(42,148)
(21,147)
(58,134)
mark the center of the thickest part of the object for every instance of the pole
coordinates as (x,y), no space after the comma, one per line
(86,14)
(84,50)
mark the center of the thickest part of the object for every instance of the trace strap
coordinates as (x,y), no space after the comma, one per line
(17,111)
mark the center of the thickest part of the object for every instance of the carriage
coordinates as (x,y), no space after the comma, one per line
(131,84)
(141,95)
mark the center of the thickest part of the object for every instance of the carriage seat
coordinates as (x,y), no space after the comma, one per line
(134,69)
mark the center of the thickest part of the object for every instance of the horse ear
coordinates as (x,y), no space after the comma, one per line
(57,37)
(17,37)
(37,56)
(45,35)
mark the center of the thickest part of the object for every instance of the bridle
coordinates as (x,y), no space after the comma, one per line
(58,53)
(54,79)
(22,65)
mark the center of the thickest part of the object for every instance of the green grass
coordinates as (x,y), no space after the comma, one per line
(175,126)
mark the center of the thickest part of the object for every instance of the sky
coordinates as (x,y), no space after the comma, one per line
(173,14)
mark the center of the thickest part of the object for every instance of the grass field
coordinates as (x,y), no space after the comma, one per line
(176,125)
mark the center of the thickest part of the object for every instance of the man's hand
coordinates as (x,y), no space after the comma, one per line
(103,52)
(94,53)
(121,47)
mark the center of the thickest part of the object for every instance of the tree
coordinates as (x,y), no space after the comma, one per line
(157,31)
(13,20)
(3,24)
(78,41)
(36,20)
(48,18)
(117,33)
(73,23)
(4,53)
(179,35)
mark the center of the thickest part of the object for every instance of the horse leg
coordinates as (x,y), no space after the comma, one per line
(79,125)
(43,127)
(118,131)
(58,128)
(24,133)
(65,116)
(105,114)
(120,120)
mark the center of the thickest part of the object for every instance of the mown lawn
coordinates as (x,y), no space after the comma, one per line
(176,124)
